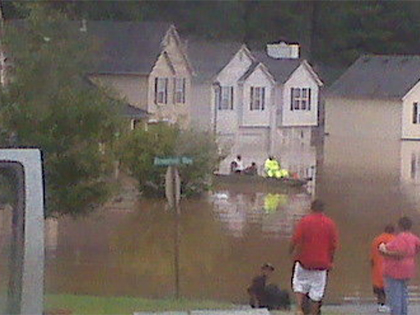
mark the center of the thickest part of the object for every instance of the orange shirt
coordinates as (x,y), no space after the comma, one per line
(377,259)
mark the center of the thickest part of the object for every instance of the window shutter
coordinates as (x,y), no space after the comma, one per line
(292,96)
(217,96)
(415,113)
(184,90)
(231,97)
(262,98)
(309,99)
(166,90)
(251,106)
(413,165)
(156,90)
(174,94)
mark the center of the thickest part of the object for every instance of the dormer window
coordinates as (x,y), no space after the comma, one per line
(179,90)
(224,97)
(161,90)
(257,98)
(300,99)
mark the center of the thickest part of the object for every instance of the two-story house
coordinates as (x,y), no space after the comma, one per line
(372,119)
(266,102)
(145,63)
(267,95)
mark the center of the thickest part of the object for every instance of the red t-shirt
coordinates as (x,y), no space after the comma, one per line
(316,239)
(407,244)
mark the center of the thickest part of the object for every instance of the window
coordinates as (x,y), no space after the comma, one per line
(257,99)
(300,99)
(416,113)
(161,90)
(179,90)
(224,97)
(415,167)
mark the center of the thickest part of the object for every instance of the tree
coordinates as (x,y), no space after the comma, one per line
(139,148)
(51,105)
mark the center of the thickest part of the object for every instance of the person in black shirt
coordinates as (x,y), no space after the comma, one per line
(267,296)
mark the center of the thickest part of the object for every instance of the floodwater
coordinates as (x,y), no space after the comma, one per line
(227,235)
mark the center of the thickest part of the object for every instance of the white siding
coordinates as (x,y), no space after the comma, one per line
(236,67)
(374,119)
(409,129)
(227,120)
(301,78)
(170,64)
(257,118)
(201,106)
(363,138)
(410,162)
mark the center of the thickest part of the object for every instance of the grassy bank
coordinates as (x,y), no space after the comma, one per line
(63,304)
(84,304)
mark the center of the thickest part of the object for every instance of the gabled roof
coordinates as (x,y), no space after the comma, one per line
(252,68)
(208,58)
(374,76)
(127,110)
(133,112)
(123,47)
(127,47)
(281,69)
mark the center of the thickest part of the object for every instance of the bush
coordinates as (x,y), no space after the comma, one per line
(140,147)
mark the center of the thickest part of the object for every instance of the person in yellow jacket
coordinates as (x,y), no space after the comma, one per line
(272,168)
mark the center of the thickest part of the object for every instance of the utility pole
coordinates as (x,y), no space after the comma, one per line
(2,49)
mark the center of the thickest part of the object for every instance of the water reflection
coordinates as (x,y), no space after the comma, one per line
(275,214)
(225,237)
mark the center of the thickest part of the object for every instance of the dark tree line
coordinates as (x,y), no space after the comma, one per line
(331,33)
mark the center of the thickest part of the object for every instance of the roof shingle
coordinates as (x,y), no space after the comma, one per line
(378,76)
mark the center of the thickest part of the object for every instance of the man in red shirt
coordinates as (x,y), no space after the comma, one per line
(314,243)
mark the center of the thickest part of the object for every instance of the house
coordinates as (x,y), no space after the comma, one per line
(266,100)
(207,58)
(372,119)
(145,63)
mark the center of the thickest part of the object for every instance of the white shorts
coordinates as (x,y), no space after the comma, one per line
(311,282)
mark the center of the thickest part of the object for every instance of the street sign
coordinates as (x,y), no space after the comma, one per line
(172,160)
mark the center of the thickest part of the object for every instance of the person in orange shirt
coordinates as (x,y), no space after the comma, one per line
(377,267)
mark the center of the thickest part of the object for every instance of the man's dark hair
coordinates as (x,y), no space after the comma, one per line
(317,205)
(405,223)
(389,228)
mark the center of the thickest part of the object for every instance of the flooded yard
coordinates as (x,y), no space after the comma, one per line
(224,240)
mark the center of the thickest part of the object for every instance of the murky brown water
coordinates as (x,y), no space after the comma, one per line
(226,236)
(224,239)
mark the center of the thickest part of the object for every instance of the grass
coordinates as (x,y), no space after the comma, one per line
(93,305)
(85,304)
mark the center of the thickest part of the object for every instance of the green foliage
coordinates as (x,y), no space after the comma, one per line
(332,34)
(50,104)
(139,148)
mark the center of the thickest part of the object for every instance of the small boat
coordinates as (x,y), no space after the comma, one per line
(257,179)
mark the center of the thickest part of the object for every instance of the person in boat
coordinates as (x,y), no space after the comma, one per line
(273,169)
(267,296)
(251,170)
(237,165)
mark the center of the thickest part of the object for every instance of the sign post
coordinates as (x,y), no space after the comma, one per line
(173,195)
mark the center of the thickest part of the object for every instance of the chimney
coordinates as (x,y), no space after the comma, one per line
(283,50)
(83,28)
